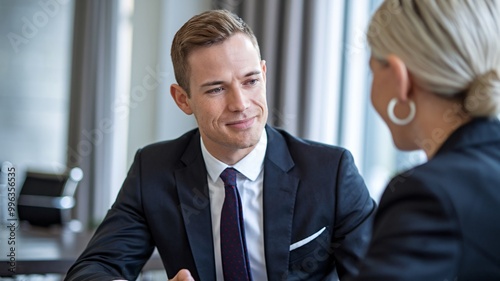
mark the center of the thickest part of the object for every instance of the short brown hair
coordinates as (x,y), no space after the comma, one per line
(204,30)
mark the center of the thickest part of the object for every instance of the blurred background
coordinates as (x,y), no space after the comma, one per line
(85,83)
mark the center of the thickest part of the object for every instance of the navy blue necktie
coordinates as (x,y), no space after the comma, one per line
(235,262)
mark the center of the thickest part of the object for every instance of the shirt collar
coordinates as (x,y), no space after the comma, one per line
(250,166)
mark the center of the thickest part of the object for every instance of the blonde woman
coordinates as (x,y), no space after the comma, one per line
(436,84)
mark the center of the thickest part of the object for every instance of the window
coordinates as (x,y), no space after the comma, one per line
(35,63)
(361,130)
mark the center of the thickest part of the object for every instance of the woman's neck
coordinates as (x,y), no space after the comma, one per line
(439,118)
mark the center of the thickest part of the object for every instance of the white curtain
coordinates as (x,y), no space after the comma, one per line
(99,104)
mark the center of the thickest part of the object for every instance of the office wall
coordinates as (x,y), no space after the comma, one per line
(35,56)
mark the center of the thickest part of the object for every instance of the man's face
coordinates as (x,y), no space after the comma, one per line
(228,96)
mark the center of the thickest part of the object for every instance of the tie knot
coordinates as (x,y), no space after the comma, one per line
(228,176)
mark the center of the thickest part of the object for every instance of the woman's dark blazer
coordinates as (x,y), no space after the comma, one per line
(441,220)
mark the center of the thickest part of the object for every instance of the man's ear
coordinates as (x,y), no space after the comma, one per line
(264,69)
(403,77)
(181,98)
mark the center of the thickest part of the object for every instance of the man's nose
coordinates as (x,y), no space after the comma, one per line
(237,100)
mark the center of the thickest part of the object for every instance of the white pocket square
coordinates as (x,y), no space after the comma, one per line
(302,242)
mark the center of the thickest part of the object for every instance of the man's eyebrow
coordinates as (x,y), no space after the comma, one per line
(211,83)
(251,73)
(217,82)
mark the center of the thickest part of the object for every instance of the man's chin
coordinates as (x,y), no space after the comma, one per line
(245,139)
(243,144)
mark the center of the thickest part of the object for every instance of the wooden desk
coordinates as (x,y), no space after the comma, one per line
(41,251)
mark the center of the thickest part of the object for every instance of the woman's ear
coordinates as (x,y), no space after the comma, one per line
(181,98)
(403,78)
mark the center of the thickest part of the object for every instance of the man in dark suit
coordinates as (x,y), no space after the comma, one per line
(304,209)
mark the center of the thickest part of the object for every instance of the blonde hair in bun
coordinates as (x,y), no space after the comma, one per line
(483,96)
(451,47)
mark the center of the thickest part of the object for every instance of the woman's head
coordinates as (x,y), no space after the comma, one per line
(450,47)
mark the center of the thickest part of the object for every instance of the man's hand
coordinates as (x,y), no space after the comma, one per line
(183,275)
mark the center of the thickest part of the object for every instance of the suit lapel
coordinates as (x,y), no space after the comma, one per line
(192,187)
(279,201)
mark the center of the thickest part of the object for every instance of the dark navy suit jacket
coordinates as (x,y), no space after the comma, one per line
(441,220)
(164,202)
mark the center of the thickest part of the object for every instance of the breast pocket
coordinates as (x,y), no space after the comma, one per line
(314,248)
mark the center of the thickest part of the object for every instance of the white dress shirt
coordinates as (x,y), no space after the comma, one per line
(249,181)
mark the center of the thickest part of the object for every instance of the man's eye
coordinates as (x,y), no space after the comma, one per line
(215,90)
(252,82)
